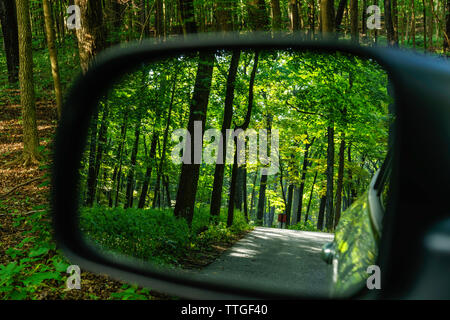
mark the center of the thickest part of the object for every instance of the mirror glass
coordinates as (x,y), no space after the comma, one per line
(253,167)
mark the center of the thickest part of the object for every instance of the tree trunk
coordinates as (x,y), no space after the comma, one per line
(148,172)
(320,217)
(340,180)
(53,55)
(330,176)
(187,17)
(243,127)
(187,188)
(222,13)
(8,19)
(216,195)
(310,197)
(276,15)
(166,134)
(30,135)
(130,177)
(340,15)
(258,17)
(263,182)
(294,15)
(302,180)
(354,31)
(446,44)
(91,35)
(327,17)
(262,198)
(289,204)
(389,23)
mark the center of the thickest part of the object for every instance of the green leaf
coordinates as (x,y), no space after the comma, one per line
(38,252)
(37,278)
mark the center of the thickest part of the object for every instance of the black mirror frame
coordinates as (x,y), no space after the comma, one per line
(422,103)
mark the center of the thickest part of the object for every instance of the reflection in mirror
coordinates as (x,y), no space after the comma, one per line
(241,165)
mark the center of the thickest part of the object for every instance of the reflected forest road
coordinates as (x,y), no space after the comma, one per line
(279,258)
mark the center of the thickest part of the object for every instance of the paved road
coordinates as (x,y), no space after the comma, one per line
(277,258)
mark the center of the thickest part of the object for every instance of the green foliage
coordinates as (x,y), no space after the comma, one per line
(155,235)
(34,264)
(304,226)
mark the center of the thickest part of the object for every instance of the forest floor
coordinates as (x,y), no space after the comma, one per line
(31,267)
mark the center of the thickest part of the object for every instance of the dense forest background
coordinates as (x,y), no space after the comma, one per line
(41,56)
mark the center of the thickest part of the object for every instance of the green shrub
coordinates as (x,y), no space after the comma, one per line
(156,235)
(308,226)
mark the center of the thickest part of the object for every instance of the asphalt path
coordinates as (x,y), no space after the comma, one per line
(277,258)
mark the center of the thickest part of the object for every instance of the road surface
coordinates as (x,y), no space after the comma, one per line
(277,258)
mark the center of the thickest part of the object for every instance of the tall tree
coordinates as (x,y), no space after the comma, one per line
(187,188)
(446,44)
(327,17)
(330,177)
(30,134)
(8,19)
(389,22)
(91,35)
(354,20)
(216,195)
(49,30)
(340,180)
(243,127)
(276,15)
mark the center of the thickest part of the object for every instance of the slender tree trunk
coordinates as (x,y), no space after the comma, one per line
(352,196)
(395,20)
(446,44)
(243,127)
(123,133)
(8,19)
(262,198)
(276,15)
(310,197)
(311,18)
(330,176)
(289,204)
(253,193)
(53,55)
(263,182)
(294,15)
(148,172)
(187,16)
(302,180)
(216,195)
(130,177)
(320,217)
(340,15)
(340,180)
(30,135)
(389,23)
(166,134)
(354,30)
(413,23)
(258,17)
(364,19)
(244,191)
